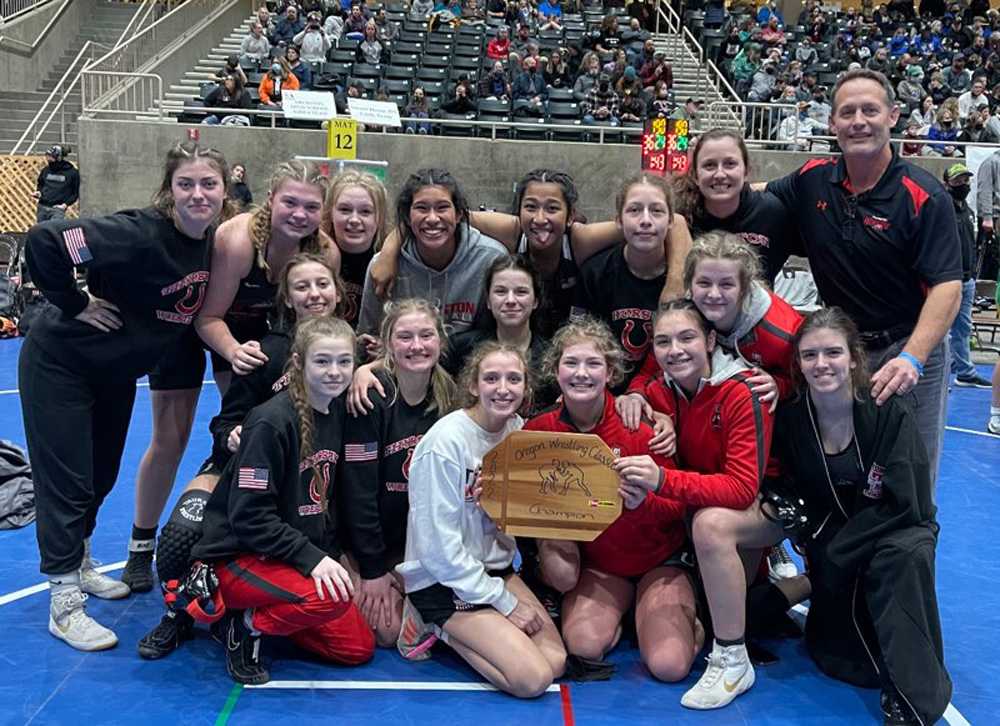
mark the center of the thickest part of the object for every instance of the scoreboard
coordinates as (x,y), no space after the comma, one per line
(664,146)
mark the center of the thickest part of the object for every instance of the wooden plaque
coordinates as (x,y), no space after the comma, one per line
(551,485)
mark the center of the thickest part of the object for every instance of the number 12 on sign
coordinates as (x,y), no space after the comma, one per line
(342,139)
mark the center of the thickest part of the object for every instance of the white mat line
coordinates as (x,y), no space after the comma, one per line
(987,434)
(144,384)
(42,587)
(953,717)
(385,686)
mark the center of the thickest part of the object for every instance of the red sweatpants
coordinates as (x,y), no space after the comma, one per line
(286,603)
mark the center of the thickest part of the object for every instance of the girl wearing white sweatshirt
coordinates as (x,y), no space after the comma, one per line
(457,569)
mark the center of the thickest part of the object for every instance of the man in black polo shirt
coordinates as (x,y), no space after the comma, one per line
(881,239)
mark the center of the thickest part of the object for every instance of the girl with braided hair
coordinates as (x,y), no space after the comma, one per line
(308,288)
(271,525)
(249,252)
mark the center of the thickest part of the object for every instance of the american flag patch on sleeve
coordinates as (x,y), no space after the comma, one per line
(76,245)
(361,452)
(251,478)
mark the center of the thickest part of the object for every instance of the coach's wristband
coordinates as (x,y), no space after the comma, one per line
(913,361)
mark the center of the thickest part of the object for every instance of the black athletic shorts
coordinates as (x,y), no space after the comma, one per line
(210,466)
(183,366)
(437,603)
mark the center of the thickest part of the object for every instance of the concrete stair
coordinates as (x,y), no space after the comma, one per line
(690,80)
(104,25)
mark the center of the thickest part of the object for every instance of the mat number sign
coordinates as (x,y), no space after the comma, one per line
(555,486)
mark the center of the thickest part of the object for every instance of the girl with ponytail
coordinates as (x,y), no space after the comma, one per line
(378,450)
(270,526)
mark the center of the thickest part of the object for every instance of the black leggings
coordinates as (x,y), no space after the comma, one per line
(76,427)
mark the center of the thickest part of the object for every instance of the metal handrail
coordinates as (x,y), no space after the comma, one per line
(126,81)
(131,58)
(89,46)
(27,49)
(138,18)
(10,9)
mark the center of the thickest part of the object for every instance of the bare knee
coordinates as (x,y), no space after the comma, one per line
(533,677)
(560,565)
(584,641)
(712,530)
(668,666)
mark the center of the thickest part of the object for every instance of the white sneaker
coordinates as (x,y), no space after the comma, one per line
(96,584)
(993,426)
(780,565)
(729,674)
(68,621)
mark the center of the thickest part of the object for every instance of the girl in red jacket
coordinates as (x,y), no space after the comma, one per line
(723,439)
(634,560)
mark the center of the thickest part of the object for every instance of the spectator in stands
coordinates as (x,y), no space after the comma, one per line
(301,70)
(602,103)
(805,53)
(312,41)
(288,27)
(880,62)
(557,70)
(266,21)
(937,89)
(461,101)
(333,27)
(763,82)
(924,114)
(634,37)
(228,94)
(913,130)
(804,91)
(661,102)
(255,46)
(628,81)
(657,70)
(928,43)
(616,67)
(819,106)
(944,128)
(354,90)
(773,36)
(499,46)
(909,90)
(768,10)
(745,66)
(417,108)
(522,41)
(633,105)
(495,85)
(239,192)
(274,82)
(370,49)
(977,128)
(973,99)
(688,112)
(549,22)
(797,129)
(609,38)
(644,55)
(354,27)
(590,68)
(529,92)
(957,77)
(960,36)
(497,9)
(421,9)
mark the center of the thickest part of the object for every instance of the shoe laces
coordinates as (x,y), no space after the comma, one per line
(781,556)
(712,674)
(71,605)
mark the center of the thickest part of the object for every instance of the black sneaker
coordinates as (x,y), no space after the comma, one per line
(138,573)
(895,711)
(174,628)
(975,381)
(243,653)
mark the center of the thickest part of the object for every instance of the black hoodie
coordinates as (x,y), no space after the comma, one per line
(59,183)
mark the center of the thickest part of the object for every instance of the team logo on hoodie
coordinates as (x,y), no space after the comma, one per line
(874,488)
(717,417)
